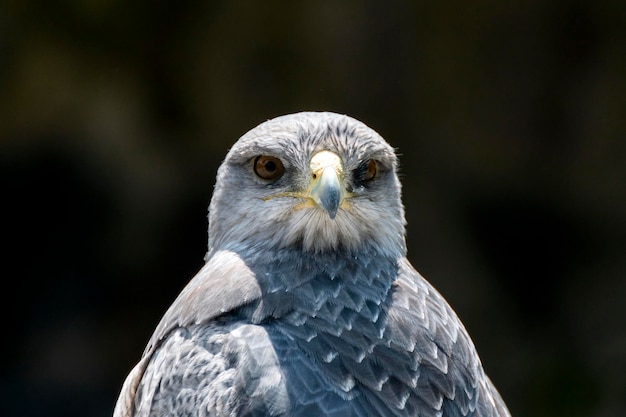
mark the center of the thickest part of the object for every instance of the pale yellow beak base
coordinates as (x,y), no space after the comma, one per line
(326,184)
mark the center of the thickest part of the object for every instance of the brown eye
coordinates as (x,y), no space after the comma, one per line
(371,168)
(268,167)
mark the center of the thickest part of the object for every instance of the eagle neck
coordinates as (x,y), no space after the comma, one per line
(306,284)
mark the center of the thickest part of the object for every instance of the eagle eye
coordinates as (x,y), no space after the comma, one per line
(268,167)
(370,171)
(365,173)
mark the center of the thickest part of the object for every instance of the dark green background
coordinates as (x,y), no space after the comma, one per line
(509,118)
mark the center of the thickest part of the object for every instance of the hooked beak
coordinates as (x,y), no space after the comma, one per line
(326,190)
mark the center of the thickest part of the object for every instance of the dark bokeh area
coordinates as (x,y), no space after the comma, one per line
(508,116)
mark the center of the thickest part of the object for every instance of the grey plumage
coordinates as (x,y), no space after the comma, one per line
(307,305)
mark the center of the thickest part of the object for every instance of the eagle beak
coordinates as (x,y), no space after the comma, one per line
(326,190)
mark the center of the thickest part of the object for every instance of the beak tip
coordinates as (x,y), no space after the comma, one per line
(330,201)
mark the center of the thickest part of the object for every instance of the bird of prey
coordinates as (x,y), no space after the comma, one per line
(307,304)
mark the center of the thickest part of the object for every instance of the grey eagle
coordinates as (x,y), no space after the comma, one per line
(307,304)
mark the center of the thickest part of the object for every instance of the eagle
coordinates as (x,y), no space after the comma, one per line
(306,304)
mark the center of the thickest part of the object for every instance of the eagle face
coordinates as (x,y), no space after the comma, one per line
(316,183)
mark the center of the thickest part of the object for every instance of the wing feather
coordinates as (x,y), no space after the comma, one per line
(223,284)
(449,376)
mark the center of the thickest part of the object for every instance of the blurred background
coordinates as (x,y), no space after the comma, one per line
(509,118)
